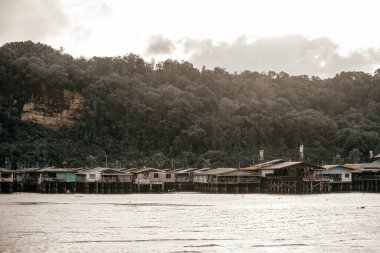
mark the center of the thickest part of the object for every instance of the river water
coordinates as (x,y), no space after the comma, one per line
(190,222)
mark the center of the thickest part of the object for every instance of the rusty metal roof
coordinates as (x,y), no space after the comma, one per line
(263,165)
(284,165)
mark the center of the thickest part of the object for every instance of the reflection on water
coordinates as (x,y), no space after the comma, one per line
(190,222)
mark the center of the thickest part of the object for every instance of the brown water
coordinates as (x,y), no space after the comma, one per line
(190,222)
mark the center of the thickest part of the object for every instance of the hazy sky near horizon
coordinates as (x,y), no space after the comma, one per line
(316,37)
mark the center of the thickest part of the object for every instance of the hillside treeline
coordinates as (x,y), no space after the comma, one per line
(147,113)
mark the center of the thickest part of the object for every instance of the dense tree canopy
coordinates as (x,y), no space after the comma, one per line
(142,113)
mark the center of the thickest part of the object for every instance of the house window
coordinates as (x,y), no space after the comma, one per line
(346,175)
(168,176)
(91,176)
(155,175)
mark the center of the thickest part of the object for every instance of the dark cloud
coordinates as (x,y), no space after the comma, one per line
(293,54)
(159,45)
(30,19)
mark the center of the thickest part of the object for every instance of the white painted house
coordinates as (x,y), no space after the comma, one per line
(152,177)
(338,173)
(102,175)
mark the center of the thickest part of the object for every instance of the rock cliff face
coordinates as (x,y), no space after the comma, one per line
(67,113)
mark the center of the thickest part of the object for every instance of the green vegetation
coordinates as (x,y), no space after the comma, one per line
(139,112)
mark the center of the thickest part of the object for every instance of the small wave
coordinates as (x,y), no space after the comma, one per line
(185,251)
(145,240)
(155,204)
(150,227)
(202,246)
(36,203)
(279,245)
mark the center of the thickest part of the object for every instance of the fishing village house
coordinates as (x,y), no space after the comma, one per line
(153,180)
(49,179)
(366,176)
(225,180)
(6,180)
(339,176)
(290,177)
(184,178)
(57,179)
(104,180)
(27,179)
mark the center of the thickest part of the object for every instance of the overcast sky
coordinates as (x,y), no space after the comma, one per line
(314,37)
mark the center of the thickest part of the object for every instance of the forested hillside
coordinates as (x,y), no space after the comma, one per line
(142,113)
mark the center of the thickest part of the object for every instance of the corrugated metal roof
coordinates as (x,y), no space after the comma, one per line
(188,170)
(25,170)
(220,171)
(331,166)
(6,170)
(114,173)
(373,165)
(142,170)
(357,166)
(263,165)
(199,171)
(281,165)
(239,173)
(52,169)
(354,165)
(90,170)
(290,164)
(225,172)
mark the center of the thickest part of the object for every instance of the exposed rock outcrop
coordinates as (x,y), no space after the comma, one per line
(53,117)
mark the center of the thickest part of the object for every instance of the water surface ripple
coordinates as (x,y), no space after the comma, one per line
(189,222)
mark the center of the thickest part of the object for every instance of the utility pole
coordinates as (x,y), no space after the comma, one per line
(301,153)
(106,161)
(261,155)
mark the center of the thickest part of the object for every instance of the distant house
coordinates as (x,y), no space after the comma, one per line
(6,175)
(104,180)
(6,180)
(184,178)
(366,176)
(88,175)
(261,167)
(28,175)
(200,175)
(52,174)
(224,179)
(46,179)
(151,179)
(287,171)
(366,171)
(338,173)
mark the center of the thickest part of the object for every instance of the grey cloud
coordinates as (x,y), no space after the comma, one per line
(293,54)
(159,45)
(30,19)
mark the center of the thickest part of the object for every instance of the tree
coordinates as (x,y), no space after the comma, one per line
(354,155)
